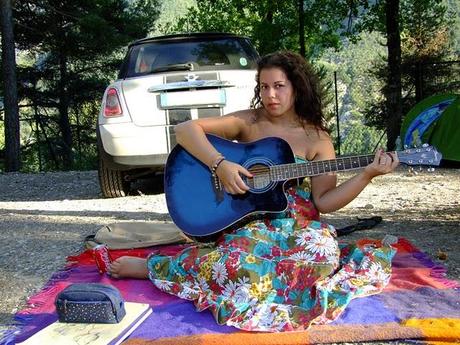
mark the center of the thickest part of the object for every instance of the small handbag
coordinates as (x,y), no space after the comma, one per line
(90,303)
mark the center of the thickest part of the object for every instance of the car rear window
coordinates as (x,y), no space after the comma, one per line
(191,54)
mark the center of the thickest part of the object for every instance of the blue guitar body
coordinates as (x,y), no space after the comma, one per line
(198,208)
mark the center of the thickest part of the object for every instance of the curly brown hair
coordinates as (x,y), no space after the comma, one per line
(308,100)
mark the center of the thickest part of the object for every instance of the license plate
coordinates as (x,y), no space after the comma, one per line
(193,99)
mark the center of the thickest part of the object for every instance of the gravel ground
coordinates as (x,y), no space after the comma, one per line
(45,217)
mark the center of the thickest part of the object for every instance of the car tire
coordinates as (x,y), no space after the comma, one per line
(112,182)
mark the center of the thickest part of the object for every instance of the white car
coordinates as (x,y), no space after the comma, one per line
(164,81)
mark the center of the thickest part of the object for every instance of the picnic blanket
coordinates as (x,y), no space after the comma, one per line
(419,303)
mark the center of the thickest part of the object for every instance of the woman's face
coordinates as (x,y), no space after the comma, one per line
(276,91)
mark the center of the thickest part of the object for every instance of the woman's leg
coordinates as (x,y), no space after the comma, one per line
(129,267)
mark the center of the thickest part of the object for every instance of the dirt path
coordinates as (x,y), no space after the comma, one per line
(45,217)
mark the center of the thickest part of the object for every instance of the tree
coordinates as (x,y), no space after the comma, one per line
(170,12)
(76,48)
(423,40)
(12,145)
(393,87)
(301,27)
(356,88)
(272,25)
(426,42)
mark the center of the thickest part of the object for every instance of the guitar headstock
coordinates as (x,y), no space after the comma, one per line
(425,155)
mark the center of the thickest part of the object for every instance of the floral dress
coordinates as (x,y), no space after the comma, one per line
(275,274)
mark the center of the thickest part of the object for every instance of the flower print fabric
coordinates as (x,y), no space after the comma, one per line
(277,274)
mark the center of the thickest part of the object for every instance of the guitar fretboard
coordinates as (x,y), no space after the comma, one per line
(284,172)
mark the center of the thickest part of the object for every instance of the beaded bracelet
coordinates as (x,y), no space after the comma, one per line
(216,164)
(214,161)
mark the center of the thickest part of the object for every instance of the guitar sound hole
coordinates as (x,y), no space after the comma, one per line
(261,177)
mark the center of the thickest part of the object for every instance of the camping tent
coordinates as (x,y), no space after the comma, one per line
(436,121)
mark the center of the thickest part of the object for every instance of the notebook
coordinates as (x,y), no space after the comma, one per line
(92,333)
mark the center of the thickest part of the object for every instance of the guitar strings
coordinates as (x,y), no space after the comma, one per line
(265,170)
(344,162)
(318,164)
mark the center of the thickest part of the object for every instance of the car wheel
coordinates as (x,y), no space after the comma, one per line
(112,182)
(156,184)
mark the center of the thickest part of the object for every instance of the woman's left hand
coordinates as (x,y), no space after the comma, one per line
(384,162)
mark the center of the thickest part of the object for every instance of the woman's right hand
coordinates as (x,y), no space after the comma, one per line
(229,174)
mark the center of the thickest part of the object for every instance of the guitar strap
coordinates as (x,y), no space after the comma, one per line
(362,224)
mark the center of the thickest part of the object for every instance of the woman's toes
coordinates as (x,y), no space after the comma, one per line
(128,267)
(114,268)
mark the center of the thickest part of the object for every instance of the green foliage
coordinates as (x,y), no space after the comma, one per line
(272,25)
(356,88)
(361,139)
(170,12)
(425,41)
(70,50)
(453,9)
(74,49)
(2,137)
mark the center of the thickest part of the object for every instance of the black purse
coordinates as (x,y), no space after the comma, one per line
(90,303)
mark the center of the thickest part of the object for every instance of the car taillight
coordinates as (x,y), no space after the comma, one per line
(112,104)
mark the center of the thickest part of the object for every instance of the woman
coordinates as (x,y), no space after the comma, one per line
(283,273)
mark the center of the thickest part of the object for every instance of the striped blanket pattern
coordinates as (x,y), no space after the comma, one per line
(418,304)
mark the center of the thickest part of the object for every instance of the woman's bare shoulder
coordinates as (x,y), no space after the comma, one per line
(323,135)
(231,126)
(316,134)
(322,145)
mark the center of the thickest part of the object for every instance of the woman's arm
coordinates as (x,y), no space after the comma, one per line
(191,135)
(328,197)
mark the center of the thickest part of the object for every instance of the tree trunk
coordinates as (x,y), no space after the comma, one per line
(301,28)
(64,121)
(393,90)
(12,143)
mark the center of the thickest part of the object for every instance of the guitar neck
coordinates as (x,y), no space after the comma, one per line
(284,172)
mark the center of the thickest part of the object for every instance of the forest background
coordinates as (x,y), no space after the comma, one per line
(376,60)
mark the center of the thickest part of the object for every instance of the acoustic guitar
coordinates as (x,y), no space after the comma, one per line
(199,206)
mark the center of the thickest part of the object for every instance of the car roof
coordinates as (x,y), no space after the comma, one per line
(182,36)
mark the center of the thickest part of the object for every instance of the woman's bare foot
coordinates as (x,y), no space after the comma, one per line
(129,267)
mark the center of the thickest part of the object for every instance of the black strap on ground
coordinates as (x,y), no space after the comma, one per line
(362,224)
